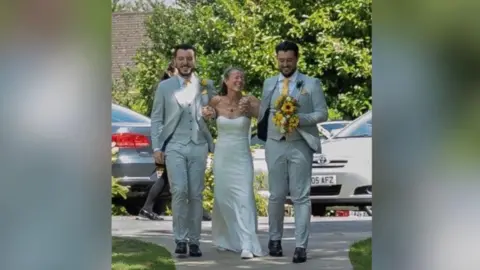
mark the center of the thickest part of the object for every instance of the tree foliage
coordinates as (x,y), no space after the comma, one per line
(134,6)
(334,38)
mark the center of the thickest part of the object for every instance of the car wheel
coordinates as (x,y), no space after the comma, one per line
(319,210)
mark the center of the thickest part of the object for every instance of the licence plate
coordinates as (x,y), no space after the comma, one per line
(350,213)
(324,180)
(358,214)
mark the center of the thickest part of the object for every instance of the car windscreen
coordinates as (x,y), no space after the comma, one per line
(361,127)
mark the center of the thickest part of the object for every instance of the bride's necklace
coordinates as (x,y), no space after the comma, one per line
(232,105)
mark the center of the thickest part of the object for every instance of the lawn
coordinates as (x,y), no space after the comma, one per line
(131,254)
(361,255)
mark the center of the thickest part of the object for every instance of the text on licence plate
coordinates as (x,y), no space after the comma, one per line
(326,180)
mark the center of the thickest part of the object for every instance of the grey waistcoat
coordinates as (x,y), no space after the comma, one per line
(187,129)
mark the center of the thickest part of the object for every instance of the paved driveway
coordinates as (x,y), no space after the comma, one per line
(328,246)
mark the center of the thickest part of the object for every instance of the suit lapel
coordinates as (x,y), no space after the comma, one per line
(295,91)
(177,86)
(271,88)
(198,105)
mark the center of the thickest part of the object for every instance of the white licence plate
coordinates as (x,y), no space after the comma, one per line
(358,214)
(324,180)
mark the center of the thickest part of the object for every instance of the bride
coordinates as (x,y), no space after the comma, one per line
(234,218)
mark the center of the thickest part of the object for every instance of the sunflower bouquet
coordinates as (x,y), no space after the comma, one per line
(285,117)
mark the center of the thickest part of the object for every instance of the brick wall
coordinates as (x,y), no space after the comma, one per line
(128,33)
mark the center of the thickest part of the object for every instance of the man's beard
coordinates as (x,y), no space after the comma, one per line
(185,74)
(288,75)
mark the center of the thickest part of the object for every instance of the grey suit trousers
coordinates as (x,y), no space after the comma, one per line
(186,171)
(289,170)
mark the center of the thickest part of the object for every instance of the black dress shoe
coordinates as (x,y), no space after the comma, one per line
(181,248)
(300,255)
(195,251)
(150,215)
(275,248)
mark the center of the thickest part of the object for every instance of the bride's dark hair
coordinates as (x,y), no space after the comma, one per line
(225,76)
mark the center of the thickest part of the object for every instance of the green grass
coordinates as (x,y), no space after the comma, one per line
(131,254)
(361,255)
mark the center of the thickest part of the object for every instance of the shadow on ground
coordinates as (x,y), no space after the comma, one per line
(361,226)
(329,242)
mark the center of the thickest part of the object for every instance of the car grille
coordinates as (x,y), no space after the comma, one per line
(336,163)
(325,190)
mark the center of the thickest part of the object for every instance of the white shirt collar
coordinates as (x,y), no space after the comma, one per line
(292,78)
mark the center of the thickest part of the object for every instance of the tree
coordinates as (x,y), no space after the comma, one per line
(334,38)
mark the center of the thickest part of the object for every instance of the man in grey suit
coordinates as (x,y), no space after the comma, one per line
(289,156)
(181,140)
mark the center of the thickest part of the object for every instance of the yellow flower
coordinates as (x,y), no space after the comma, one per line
(279,101)
(278,118)
(294,121)
(288,107)
(204,82)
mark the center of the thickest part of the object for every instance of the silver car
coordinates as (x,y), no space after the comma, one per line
(135,164)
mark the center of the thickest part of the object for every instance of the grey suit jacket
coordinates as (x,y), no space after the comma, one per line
(312,110)
(166,111)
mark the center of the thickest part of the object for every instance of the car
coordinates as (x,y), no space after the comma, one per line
(342,173)
(135,163)
(329,128)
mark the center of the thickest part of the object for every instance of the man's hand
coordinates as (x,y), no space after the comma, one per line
(159,157)
(208,112)
(244,105)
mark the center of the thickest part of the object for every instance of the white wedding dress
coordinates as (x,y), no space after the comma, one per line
(234,217)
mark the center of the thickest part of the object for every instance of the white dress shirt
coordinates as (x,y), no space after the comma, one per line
(291,83)
(187,94)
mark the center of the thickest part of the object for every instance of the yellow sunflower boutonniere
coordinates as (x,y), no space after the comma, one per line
(285,117)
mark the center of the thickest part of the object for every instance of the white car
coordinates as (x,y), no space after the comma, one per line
(342,174)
